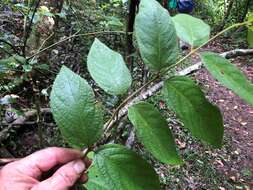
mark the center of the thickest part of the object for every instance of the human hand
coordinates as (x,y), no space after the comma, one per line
(26,173)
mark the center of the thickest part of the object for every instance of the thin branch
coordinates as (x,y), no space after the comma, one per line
(115,114)
(9,44)
(74,36)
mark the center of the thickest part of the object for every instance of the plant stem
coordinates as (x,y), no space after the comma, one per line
(86,151)
(107,128)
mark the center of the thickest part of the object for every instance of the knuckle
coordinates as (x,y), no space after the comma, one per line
(8,167)
(52,152)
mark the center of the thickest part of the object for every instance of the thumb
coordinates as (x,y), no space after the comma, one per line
(64,178)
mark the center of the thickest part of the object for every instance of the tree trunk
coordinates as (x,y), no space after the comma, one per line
(129,31)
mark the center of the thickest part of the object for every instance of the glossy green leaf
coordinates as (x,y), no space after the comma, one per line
(191,30)
(228,75)
(202,118)
(153,131)
(118,168)
(108,69)
(156,35)
(74,110)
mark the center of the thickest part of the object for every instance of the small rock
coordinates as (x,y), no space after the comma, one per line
(233,178)
(244,123)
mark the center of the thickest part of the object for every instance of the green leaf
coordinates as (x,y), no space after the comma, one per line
(228,75)
(250,38)
(203,119)
(250,30)
(74,110)
(118,168)
(27,68)
(108,69)
(96,181)
(153,131)
(191,30)
(43,67)
(114,21)
(250,19)
(19,59)
(156,35)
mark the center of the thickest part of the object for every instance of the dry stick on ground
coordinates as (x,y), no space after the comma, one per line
(150,91)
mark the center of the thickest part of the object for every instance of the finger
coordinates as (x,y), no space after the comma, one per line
(65,177)
(83,178)
(42,161)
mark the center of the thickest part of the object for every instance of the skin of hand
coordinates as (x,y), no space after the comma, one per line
(25,174)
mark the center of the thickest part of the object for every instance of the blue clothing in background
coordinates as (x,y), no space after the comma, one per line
(185,6)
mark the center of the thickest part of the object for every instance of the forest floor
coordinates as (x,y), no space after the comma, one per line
(238,115)
(238,120)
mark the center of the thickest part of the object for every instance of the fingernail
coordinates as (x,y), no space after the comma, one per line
(79,166)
